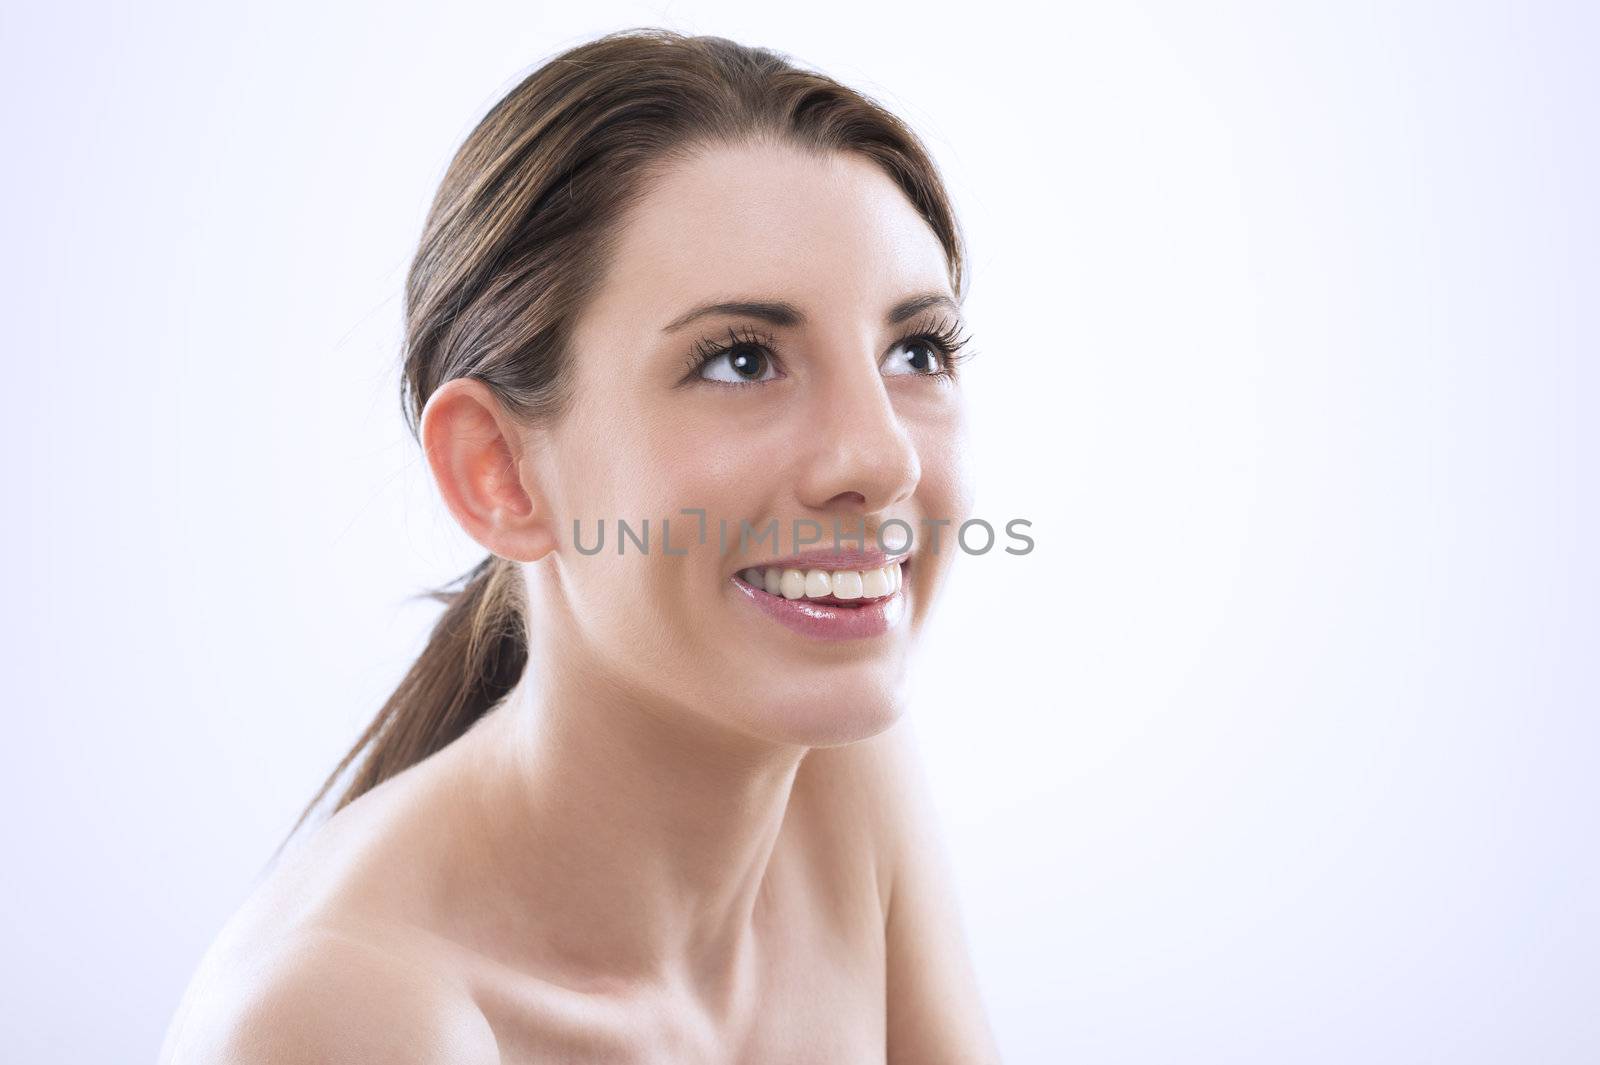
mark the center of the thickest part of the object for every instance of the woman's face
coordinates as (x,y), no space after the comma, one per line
(833,415)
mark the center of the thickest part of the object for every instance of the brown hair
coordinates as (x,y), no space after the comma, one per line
(518,238)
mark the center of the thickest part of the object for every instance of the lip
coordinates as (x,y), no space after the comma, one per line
(826,621)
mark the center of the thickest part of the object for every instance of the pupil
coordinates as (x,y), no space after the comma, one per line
(746,363)
(920,358)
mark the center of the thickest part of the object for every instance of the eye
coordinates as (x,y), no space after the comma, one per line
(743,358)
(934,350)
(914,356)
(739,365)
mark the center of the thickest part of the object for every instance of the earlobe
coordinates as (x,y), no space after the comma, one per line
(474,450)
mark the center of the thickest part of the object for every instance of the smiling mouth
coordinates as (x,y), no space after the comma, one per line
(847,588)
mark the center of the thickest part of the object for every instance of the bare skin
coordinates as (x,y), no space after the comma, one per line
(690,834)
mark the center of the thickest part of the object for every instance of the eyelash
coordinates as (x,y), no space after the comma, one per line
(946,338)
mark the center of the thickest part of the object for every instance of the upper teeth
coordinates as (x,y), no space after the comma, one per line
(818,583)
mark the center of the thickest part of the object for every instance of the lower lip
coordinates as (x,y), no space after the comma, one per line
(824,621)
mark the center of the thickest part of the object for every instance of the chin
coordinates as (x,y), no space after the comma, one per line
(826,713)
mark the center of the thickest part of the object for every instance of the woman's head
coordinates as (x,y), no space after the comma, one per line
(560,381)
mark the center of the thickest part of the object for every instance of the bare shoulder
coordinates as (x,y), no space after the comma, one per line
(327,993)
(325,963)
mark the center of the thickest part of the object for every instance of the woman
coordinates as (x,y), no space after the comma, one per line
(650,801)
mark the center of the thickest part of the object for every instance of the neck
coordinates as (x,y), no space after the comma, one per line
(636,840)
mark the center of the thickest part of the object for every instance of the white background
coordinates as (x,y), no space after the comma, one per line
(1279,748)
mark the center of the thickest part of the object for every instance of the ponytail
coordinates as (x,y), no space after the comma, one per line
(474,657)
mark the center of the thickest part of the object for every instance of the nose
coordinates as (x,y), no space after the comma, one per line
(863,459)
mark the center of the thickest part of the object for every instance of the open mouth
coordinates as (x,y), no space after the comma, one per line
(849,589)
(828,604)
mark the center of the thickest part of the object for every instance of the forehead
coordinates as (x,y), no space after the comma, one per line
(770,221)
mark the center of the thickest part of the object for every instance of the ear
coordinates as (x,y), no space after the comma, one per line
(475,449)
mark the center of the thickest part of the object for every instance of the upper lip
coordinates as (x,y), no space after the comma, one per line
(832,560)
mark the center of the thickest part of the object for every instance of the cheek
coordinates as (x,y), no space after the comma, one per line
(947,487)
(634,458)
(717,456)
(645,468)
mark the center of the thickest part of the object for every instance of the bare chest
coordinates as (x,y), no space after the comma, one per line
(813,992)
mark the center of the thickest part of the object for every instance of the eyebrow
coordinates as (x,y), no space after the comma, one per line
(780,313)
